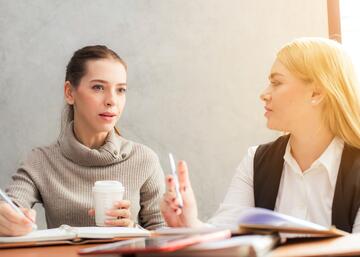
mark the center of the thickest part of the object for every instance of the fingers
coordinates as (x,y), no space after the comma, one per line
(91,212)
(120,222)
(171,202)
(13,223)
(12,229)
(30,214)
(170,207)
(170,183)
(119,213)
(123,204)
(184,180)
(12,216)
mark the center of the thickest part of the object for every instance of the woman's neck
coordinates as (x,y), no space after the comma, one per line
(308,145)
(89,138)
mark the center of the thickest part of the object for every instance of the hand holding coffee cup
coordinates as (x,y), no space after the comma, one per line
(110,208)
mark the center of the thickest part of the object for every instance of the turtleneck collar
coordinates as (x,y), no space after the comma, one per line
(115,149)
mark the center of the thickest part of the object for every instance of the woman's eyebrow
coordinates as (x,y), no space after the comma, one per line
(274,74)
(98,80)
(106,82)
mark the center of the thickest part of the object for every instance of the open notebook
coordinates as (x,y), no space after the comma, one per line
(262,220)
(72,235)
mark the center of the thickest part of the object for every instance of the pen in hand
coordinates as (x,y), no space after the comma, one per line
(176,180)
(15,208)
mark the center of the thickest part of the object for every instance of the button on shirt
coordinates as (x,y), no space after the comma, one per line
(306,195)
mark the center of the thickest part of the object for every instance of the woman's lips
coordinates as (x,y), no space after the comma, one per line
(107,116)
(267,111)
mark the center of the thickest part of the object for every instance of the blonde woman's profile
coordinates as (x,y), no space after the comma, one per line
(313,171)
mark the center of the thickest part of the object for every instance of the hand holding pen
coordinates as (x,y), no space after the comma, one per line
(176,181)
(178,205)
(14,221)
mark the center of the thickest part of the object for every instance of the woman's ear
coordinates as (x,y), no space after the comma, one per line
(317,96)
(69,93)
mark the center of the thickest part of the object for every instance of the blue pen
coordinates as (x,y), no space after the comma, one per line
(176,180)
(8,200)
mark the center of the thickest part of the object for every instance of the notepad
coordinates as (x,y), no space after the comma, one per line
(65,232)
(259,219)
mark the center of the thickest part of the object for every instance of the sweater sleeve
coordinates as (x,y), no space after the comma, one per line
(150,195)
(22,189)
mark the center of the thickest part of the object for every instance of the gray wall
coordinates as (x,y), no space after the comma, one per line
(196,69)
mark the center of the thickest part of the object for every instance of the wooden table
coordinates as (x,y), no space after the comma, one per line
(340,246)
(44,251)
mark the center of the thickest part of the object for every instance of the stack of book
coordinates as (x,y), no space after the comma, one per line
(260,232)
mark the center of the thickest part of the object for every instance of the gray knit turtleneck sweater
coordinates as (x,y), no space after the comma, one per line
(61,176)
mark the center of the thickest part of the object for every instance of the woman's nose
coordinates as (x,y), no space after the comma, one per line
(110,98)
(265,95)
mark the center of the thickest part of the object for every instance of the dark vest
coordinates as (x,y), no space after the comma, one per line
(268,167)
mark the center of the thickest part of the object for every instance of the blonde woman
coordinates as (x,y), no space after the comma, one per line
(313,172)
(89,148)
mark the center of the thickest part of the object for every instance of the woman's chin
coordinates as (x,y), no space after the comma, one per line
(272,126)
(269,125)
(105,128)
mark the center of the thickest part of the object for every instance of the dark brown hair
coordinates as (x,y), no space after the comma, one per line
(76,67)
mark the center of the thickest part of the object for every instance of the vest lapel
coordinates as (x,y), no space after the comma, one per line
(268,167)
(346,200)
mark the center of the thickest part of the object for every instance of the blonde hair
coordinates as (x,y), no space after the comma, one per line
(323,63)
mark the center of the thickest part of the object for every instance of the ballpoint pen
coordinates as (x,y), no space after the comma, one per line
(8,201)
(176,180)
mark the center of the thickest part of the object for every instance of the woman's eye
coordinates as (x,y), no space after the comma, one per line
(122,90)
(275,83)
(98,87)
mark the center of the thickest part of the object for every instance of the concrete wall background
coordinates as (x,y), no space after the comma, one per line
(196,69)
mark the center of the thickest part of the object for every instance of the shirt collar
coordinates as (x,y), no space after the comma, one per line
(330,159)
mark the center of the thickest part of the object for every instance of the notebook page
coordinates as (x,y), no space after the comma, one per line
(266,217)
(109,232)
(41,235)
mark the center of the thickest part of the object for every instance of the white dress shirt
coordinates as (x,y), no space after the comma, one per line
(306,195)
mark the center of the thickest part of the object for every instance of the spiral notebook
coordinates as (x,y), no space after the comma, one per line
(73,235)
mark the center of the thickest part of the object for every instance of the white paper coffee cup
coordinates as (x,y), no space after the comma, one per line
(105,194)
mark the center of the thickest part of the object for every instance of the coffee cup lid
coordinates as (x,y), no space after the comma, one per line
(105,185)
